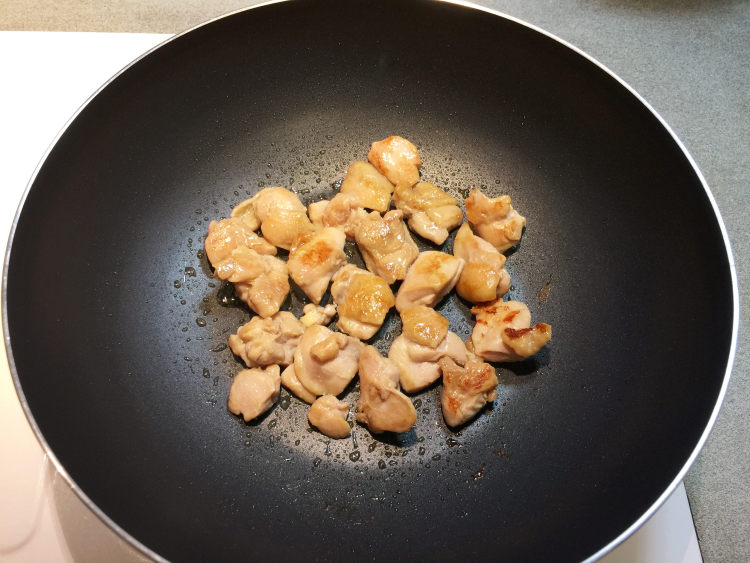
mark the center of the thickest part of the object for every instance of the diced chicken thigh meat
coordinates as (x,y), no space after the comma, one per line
(382,407)
(262,342)
(290,381)
(278,212)
(317,315)
(344,211)
(329,415)
(502,332)
(417,363)
(386,245)
(314,258)
(466,389)
(362,299)
(372,189)
(254,391)
(494,219)
(228,234)
(431,212)
(397,159)
(484,277)
(432,275)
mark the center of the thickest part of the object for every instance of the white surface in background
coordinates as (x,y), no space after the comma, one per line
(46,77)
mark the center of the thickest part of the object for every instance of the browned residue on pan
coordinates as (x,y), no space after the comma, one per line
(544,292)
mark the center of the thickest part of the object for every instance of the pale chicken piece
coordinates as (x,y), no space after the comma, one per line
(494,219)
(503,333)
(424,325)
(262,342)
(432,275)
(484,277)
(397,159)
(381,406)
(418,365)
(329,415)
(317,314)
(260,280)
(226,235)
(279,213)
(314,258)
(386,245)
(466,389)
(343,211)
(371,188)
(290,380)
(362,300)
(254,391)
(326,361)
(431,212)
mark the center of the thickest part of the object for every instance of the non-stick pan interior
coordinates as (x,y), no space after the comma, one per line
(107,289)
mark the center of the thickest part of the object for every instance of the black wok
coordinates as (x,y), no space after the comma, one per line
(105,281)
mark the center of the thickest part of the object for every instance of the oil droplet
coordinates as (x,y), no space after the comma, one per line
(177,284)
(436,457)
(381,464)
(417,403)
(190,271)
(354,456)
(200,321)
(285,402)
(479,473)
(421,450)
(453,442)
(219,348)
(371,447)
(316,462)
(206,373)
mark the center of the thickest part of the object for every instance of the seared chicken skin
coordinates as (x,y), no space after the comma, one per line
(371,188)
(466,389)
(278,212)
(328,415)
(397,159)
(502,332)
(226,235)
(386,245)
(494,219)
(382,407)
(484,277)
(432,275)
(262,342)
(254,391)
(431,212)
(314,258)
(362,299)
(344,211)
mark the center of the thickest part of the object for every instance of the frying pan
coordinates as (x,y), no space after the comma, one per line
(116,330)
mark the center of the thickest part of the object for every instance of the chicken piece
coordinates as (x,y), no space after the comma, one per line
(502,332)
(344,211)
(484,277)
(397,159)
(262,342)
(317,315)
(431,212)
(226,235)
(314,258)
(372,189)
(466,389)
(326,361)
(494,219)
(259,280)
(254,391)
(279,213)
(424,325)
(381,406)
(328,415)
(432,275)
(363,301)
(290,380)
(386,245)
(418,365)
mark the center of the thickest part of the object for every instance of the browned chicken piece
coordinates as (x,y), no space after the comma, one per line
(362,299)
(397,159)
(326,361)
(371,188)
(502,332)
(262,342)
(279,213)
(432,275)
(494,219)
(290,381)
(314,258)
(466,389)
(259,280)
(226,235)
(317,315)
(254,391)
(343,211)
(484,277)
(386,245)
(328,415)
(418,364)
(382,407)
(424,325)
(431,212)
